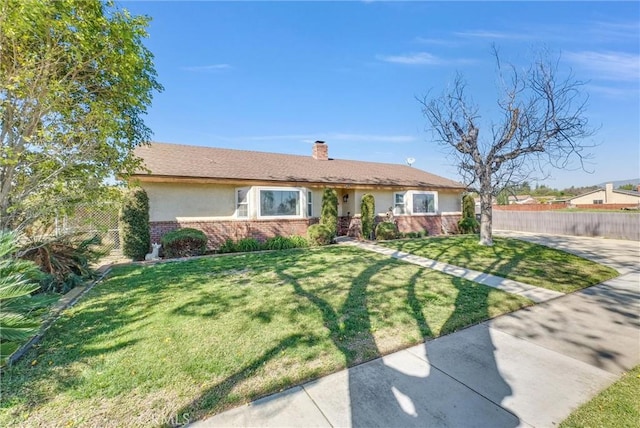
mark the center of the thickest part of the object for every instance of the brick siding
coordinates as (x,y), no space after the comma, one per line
(220,231)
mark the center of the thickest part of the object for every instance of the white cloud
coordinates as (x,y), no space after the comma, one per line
(611,92)
(616,30)
(608,65)
(484,34)
(212,67)
(420,58)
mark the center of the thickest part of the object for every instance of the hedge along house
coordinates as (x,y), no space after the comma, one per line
(239,194)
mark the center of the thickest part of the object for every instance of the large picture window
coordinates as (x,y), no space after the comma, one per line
(424,203)
(278,203)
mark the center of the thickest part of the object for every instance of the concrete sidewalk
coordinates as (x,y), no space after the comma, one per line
(528,368)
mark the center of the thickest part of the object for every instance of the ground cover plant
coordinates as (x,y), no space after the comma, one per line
(177,341)
(616,406)
(511,258)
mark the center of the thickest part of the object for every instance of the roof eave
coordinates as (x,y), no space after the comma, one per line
(155,178)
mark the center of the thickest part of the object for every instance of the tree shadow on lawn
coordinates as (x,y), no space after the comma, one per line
(100,324)
(514,258)
(381,392)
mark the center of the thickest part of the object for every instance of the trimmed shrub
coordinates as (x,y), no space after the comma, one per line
(284,243)
(185,242)
(468,222)
(246,245)
(386,230)
(228,247)
(329,213)
(320,234)
(368,213)
(134,224)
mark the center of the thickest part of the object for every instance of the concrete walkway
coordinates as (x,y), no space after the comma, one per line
(536,294)
(528,368)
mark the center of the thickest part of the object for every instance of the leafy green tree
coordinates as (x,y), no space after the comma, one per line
(368,214)
(134,224)
(18,278)
(627,186)
(75,82)
(329,213)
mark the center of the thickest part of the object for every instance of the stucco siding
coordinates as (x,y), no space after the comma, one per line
(611,197)
(383,200)
(170,202)
(588,199)
(449,202)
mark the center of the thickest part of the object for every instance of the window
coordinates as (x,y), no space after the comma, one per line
(398,207)
(598,201)
(242,203)
(424,203)
(309,204)
(279,203)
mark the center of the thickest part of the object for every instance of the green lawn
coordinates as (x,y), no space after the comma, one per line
(616,407)
(175,341)
(511,258)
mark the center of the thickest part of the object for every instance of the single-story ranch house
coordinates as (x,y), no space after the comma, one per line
(608,196)
(238,194)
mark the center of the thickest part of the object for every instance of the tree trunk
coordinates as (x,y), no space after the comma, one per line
(486,219)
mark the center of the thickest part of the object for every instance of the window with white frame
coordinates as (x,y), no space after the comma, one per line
(309,204)
(423,203)
(279,203)
(398,204)
(598,202)
(242,202)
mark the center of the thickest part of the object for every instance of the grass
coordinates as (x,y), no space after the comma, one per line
(511,258)
(616,406)
(173,342)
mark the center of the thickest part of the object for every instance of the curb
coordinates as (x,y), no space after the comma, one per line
(67,301)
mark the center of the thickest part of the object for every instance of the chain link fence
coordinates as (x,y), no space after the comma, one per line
(89,220)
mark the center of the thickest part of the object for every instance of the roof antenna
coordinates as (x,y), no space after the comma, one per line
(410,161)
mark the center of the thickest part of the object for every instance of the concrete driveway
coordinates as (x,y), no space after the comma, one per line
(529,368)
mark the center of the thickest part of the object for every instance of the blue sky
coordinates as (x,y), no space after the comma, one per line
(276,76)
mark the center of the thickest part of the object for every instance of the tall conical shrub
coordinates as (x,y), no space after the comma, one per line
(134,224)
(329,213)
(368,214)
(468,222)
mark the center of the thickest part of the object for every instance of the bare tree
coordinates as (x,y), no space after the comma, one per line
(541,125)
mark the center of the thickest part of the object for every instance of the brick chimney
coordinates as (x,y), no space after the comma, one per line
(320,151)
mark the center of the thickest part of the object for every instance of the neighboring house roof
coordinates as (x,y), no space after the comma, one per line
(521,199)
(622,192)
(181,161)
(627,192)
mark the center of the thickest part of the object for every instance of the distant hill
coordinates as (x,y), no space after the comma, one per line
(618,183)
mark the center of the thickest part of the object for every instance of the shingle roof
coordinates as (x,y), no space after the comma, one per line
(174,160)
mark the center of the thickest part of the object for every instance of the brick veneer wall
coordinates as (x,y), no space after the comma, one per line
(434,224)
(220,231)
(351,226)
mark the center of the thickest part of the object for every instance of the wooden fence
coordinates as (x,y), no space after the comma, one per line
(605,224)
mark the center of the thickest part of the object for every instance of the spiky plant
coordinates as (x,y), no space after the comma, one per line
(18,278)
